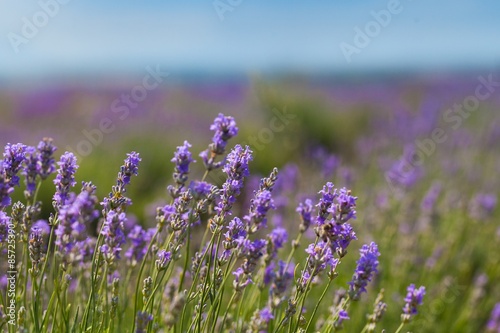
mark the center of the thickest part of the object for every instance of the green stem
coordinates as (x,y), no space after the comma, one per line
(400,328)
(317,304)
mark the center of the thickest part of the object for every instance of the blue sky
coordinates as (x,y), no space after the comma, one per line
(90,36)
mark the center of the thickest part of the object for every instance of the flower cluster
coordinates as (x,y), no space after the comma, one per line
(367,267)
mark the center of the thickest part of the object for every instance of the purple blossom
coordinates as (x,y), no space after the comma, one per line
(494,321)
(116,198)
(482,206)
(65,179)
(430,198)
(251,252)
(365,270)
(281,279)
(42,225)
(260,205)
(325,202)
(13,159)
(225,128)
(70,227)
(236,168)
(234,235)
(201,189)
(241,280)
(342,316)
(31,170)
(182,159)
(4,226)
(305,211)
(139,240)
(113,235)
(163,258)
(46,158)
(276,239)
(320,256)
(6,188)
(266,315)
(128,169)
(338,236)
(413,299)
(345,206)
(142,321)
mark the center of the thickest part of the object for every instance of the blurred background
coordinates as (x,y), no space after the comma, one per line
(106,78)
(398,100)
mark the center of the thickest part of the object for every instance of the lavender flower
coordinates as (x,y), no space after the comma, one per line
(251,252)
(234,236)
(342,316)
(4,227)
(338,236)
(31,171)
(182,159)
(13,158)
(142,320)
(430,198)
(65,179)
(366,267)
(46,158)
(260,205)
(345,206)
(116,198)
(163,258)
(241,280)
(494,321)
(113,235)
(225,128)
(6,188)
(139,239)
(305,211)
(236,168)
(320,256)
(482,206)
(413,299)
(35,250)
(281,280)
(201,189)
(276,239)
(325,202)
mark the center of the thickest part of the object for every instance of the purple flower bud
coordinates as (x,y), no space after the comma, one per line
(365,270)
(4,227)
(13,158)
(142,321)
(413,299)
(260,205)
(320,256)
(65,179)
(113,234)
(494,321)
(266,315)
(305,211)
(31,171)
(325,202)
(163,258)
(128,169)
(6,188)
(236,168)
(225,128)
(139,239)
(241,280)
(46,158)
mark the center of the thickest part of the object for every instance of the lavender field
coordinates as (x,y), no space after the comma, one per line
(252,205)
